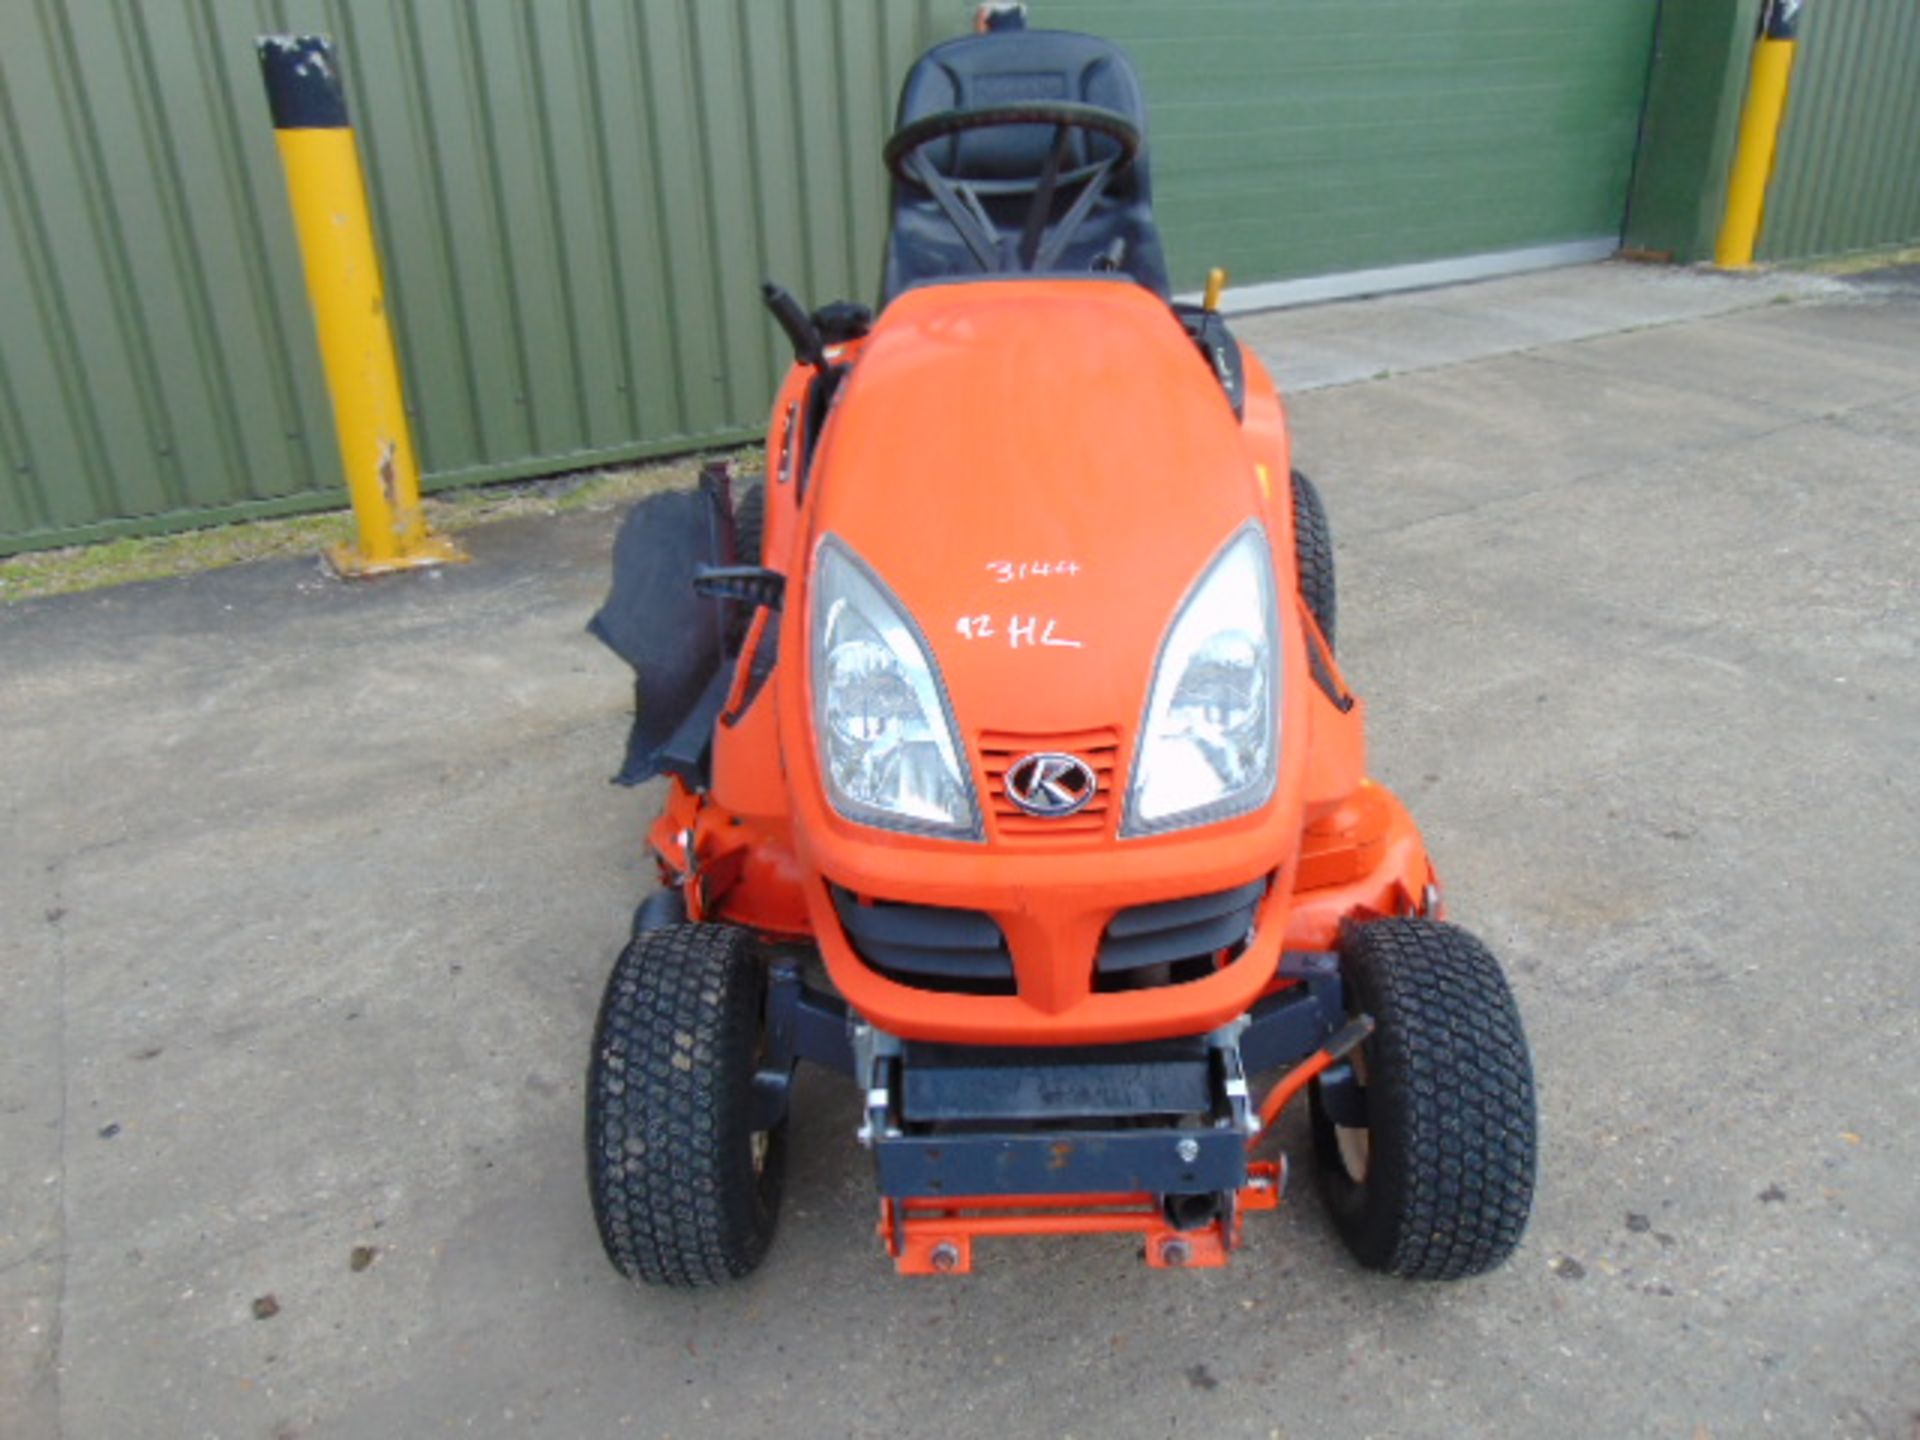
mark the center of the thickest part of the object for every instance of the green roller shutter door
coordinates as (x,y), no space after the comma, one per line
(1302,137)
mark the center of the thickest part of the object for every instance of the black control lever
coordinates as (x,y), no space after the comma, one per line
(808,346)
(750,584)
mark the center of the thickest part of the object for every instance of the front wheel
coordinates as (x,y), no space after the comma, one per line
(686,1191)
(1433,1178)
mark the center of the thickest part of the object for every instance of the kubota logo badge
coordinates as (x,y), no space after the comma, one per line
(1050,784)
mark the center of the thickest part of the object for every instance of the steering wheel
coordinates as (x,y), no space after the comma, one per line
(959,200)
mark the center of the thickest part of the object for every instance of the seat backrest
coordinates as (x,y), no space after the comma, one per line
(1005,67)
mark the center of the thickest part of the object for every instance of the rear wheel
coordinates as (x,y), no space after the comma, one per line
(1313,549)
(749,544)
(1434,1179)
(750,523)
(686,1191)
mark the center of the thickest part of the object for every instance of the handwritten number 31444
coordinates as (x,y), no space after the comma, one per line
(1005,572)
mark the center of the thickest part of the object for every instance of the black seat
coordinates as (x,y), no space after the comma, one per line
(1003,68)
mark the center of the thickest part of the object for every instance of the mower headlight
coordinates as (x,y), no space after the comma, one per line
(886,736)
(1209,742)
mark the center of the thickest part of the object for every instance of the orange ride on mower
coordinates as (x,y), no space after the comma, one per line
(1011,772)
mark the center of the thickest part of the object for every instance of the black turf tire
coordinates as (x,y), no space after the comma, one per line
(1448,1181)
(670,1139)
(750,522)
(1313,548)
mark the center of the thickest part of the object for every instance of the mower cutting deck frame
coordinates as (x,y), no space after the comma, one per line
(1012,773)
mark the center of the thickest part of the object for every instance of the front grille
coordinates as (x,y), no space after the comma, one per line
(927,946)
(1000,750)
(1174,941)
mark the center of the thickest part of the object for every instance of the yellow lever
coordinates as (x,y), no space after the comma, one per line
(1216,282)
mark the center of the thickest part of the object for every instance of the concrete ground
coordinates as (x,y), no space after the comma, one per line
(308,892)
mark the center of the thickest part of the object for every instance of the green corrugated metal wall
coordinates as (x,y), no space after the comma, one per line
(575,198)
(1847,175)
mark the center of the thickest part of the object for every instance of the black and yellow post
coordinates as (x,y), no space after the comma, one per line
(1760,116)
(329,200)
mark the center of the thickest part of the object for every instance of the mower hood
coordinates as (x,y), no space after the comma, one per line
(1039,470)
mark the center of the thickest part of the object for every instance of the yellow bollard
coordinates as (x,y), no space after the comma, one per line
(1760,117)
(1216,286)
(329,200)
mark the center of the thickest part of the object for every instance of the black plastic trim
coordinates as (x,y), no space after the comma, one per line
(752,585)
(1322,672)
(918,943)
(1166,914)
(1218,347)
(1173,930)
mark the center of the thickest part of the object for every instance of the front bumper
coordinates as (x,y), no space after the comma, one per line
(1161,1118)
(1152,1140)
